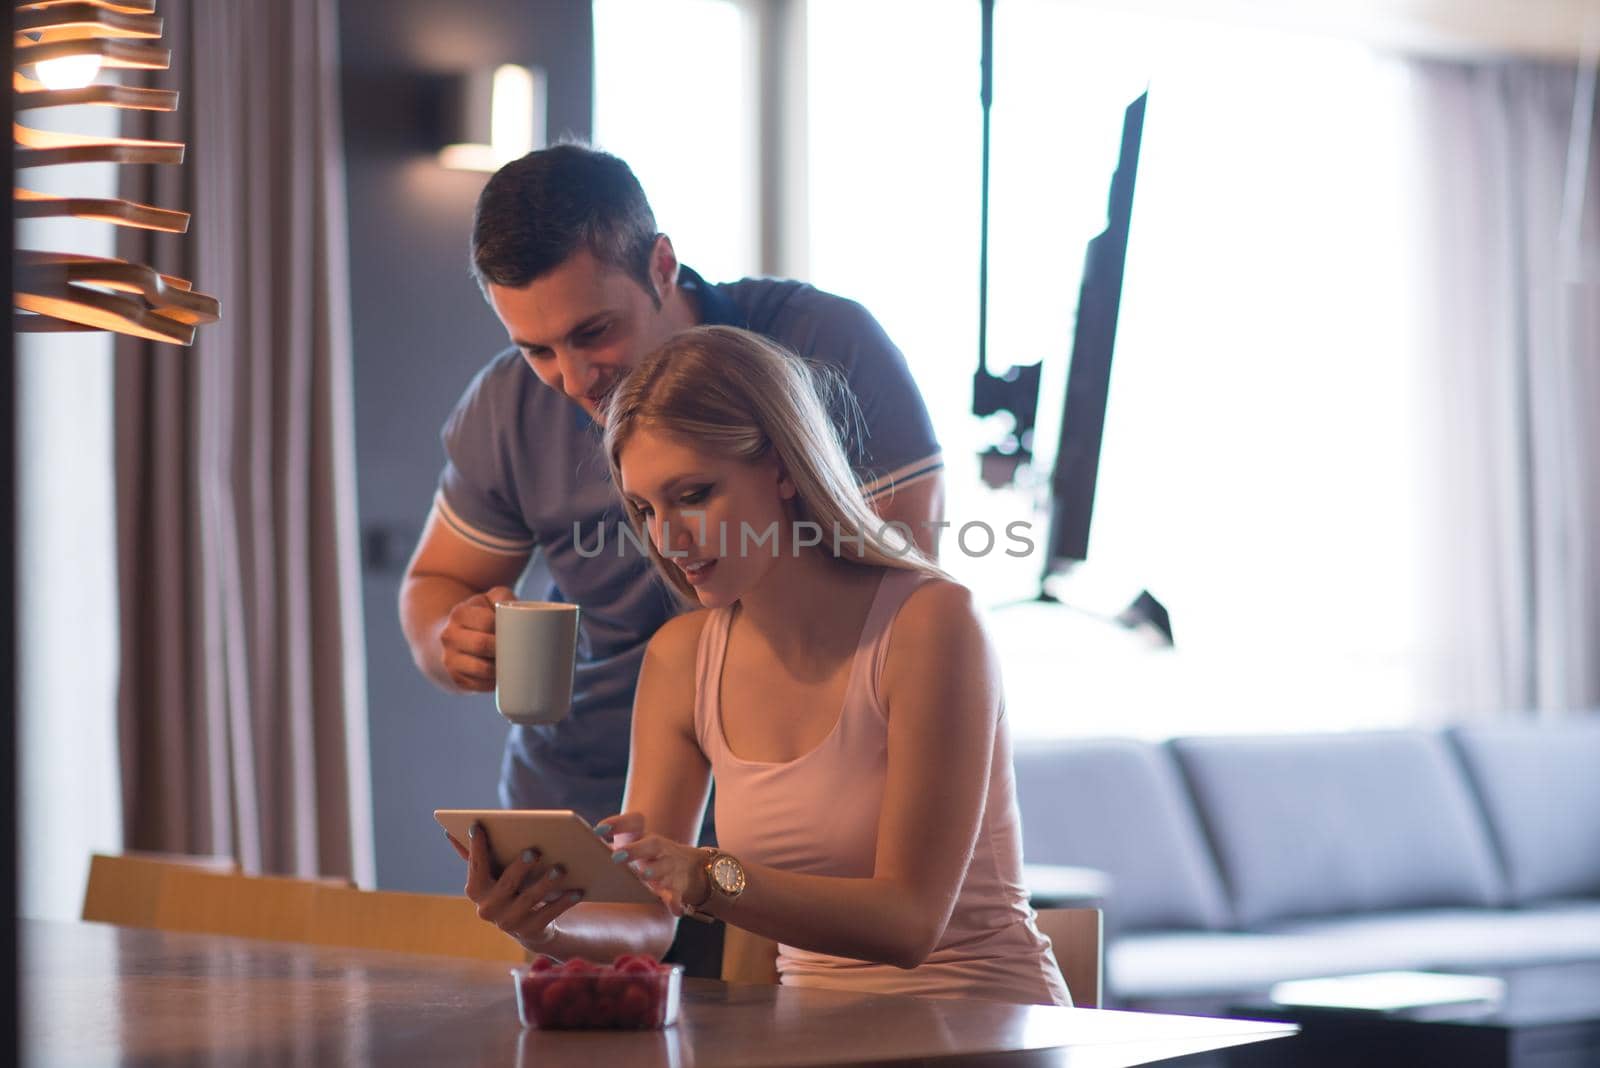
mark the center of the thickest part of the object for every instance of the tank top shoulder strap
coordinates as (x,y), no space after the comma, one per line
(709,656)
(898,584)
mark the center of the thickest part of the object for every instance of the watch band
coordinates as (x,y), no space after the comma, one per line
(693,911)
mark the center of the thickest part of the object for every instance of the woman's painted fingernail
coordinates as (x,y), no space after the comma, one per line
(555,873)
(552,897)
(576,895)
(648,874)
(527,856)
(603,829)
(472,832)
(619,857)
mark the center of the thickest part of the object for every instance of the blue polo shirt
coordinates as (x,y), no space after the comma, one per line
(525,473)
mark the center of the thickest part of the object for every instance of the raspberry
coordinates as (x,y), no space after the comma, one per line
(637,1007)
(612,983)
(605,1012)
(553,1002)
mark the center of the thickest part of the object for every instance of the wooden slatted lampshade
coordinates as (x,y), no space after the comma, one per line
(58,291)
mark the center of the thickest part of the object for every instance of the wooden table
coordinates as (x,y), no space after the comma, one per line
(102,995)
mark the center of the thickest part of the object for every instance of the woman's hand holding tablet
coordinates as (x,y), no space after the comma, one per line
(525,868)
(560,838)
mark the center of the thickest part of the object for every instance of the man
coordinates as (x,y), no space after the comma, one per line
(565,248)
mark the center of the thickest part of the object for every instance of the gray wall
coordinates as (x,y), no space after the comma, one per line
(421,331)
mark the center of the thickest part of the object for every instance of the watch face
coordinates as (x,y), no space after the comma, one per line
(727,874)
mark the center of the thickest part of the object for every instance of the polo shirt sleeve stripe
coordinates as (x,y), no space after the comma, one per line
(480,538)
(901,477)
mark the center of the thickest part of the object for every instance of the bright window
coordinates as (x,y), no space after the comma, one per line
(674,97)
(1259,471)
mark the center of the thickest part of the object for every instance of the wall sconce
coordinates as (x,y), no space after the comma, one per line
(60,48)
(490,118)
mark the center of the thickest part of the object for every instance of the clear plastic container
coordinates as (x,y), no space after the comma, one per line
(598,996)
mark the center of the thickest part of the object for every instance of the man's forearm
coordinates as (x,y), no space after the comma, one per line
(425,605)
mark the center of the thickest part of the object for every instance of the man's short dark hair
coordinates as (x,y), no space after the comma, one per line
(538,210)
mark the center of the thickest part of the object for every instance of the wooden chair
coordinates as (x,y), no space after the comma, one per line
(168,895)
(1077,937)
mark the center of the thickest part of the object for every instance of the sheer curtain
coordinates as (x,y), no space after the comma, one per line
(1513,239)
(242,701)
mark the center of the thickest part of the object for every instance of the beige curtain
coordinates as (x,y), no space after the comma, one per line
(242,701)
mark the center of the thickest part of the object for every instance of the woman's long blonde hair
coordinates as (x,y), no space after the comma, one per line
(736,395)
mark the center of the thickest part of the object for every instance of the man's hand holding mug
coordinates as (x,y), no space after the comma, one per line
(536,650)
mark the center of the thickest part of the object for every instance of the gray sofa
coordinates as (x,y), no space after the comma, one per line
(1238,862)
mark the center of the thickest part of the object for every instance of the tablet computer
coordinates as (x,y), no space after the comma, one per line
(562,837)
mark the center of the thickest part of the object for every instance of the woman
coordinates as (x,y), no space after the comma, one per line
(840,690)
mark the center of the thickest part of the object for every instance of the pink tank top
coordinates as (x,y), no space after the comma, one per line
(818,814)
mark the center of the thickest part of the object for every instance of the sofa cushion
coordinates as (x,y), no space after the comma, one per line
(1195,963)
(1539,784)
(1309,825)
(1119,805)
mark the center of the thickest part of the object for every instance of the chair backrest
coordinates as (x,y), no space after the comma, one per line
(445,925)
(176,896)
(269,907)
(126,889)
(1077,937)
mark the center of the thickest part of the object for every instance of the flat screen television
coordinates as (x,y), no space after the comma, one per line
(1083,419)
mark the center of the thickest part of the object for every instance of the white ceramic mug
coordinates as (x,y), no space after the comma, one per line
(535,651)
